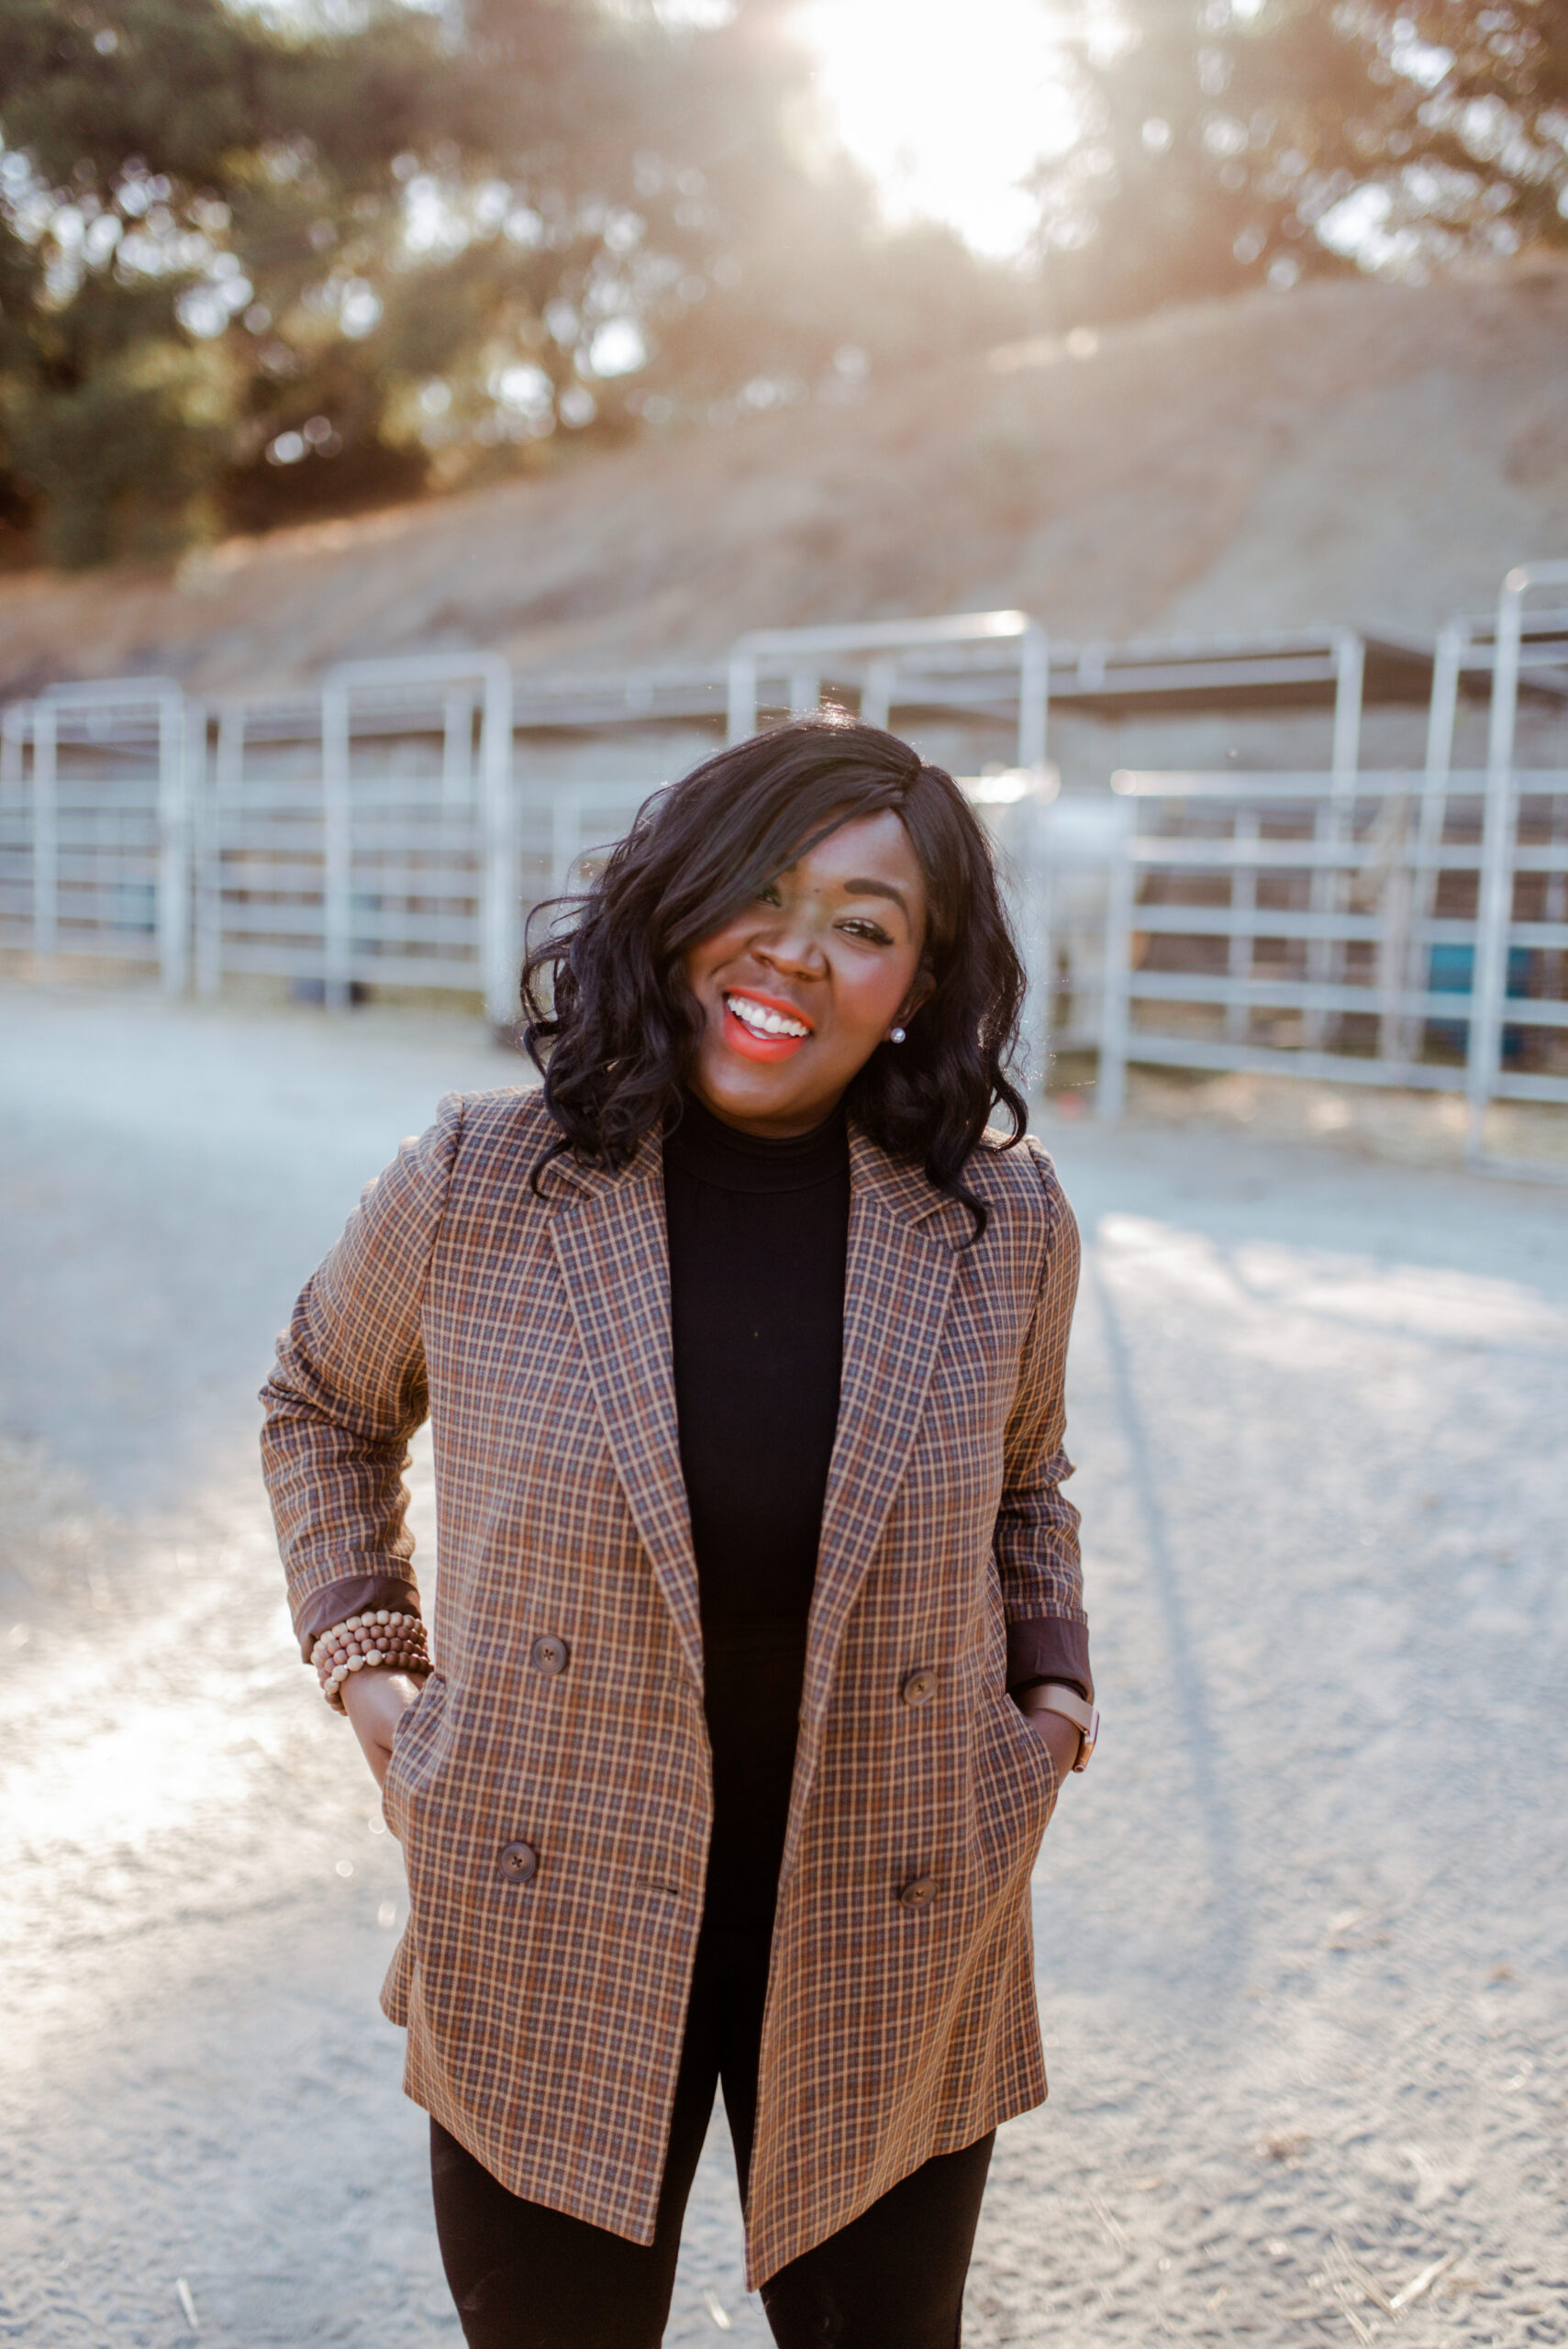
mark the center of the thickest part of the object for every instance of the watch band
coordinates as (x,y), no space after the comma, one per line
(1059,1697)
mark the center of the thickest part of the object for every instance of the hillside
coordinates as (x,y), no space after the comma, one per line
(1348,452)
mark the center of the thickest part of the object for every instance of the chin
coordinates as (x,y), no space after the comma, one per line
(748,1094)
(760,1089)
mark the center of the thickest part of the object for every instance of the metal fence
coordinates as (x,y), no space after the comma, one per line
(1292,925)
(393,829)
(95,824)
(1391,929)
(962,661)
(370,836)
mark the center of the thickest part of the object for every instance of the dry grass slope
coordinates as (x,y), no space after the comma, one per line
(1351,451)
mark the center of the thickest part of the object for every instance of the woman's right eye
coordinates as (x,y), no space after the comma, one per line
(768,895)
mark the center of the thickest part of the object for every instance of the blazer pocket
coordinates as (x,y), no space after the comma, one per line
(412,1741)
(1036,1759)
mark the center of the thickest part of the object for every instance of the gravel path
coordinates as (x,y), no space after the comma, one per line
(1301,1929)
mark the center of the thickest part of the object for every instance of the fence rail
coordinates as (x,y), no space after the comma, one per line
(395,828)
(370,837)
(1298,925)
(1309,925)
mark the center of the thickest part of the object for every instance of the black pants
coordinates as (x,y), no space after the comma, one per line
(525,2278)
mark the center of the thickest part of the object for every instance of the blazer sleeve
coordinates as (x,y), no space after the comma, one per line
(1037,1528)
(349,1389)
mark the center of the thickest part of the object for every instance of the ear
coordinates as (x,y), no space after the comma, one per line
(922,990)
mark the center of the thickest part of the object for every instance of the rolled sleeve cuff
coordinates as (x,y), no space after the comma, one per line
(1048,1647)
(341,1599)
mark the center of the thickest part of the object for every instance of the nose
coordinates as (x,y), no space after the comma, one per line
(791,945)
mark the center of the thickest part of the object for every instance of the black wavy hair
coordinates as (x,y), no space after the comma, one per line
(612,1027)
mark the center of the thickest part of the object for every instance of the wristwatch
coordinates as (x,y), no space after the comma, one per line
(1060,1697)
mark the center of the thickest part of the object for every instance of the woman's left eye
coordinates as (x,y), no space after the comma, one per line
(860,927)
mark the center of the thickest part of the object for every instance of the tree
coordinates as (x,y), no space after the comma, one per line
(248,274)
(1232,141)
(163,176)
(253,270)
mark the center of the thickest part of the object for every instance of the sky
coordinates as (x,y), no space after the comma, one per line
(948,103)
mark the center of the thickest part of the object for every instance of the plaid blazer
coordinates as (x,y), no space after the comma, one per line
(554,1822)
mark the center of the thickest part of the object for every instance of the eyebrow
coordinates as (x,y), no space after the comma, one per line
(877,889)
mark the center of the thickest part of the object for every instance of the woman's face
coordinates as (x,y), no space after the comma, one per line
(800,988)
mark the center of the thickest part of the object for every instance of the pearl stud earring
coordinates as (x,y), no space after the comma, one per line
(896,1035)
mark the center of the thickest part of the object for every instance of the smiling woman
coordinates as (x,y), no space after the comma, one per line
(760,1651)
(759,935)
(839,934)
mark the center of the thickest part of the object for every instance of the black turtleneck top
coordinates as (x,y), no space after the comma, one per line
(757,1235)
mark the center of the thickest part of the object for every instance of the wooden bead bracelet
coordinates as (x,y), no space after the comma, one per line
(380,1637)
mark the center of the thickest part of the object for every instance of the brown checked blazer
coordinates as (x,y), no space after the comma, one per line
(554,1819)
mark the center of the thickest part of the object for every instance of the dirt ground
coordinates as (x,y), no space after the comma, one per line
(1301,1929)
(1526,1140)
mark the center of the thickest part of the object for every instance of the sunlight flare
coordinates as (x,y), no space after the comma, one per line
(949,110)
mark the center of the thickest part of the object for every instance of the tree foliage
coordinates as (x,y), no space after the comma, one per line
(258,266)
(1234,141)
(252,271)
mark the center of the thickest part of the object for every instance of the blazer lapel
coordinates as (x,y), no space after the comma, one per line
(613,1250)
(897,1286)
(611,1244)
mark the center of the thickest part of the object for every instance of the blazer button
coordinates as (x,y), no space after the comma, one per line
(550,1655)
(918,1892)
(519,1862)
(918,1687)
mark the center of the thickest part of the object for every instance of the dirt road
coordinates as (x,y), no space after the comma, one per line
(1301,1929)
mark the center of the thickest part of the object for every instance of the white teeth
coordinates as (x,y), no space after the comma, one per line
(762,1020)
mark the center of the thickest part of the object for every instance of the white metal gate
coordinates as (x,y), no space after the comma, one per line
(375,837)
(95,824)
(1232,897)
(365,836)
(1403,927)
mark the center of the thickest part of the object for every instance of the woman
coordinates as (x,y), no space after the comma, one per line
(761,1646)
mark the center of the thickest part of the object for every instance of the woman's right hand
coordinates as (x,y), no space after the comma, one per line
(375,1701)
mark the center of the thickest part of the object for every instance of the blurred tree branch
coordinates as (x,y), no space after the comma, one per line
(1234,141)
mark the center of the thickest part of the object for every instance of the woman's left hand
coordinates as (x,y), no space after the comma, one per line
(375,1701)
(1060,1740)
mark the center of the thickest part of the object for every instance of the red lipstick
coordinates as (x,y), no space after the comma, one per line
(749,1043)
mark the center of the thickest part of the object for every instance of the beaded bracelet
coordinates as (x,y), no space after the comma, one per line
(381,1636)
